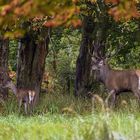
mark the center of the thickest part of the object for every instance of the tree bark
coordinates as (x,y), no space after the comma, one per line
(4,51)
(31,61)
(92,32)
(82,83)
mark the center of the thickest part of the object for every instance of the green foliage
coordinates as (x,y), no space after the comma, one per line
(13,54)
(61,60)
(124,35)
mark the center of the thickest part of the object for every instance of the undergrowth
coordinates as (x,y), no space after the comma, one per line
(64,117)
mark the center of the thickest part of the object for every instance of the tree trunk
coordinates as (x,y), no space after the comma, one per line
(31,61)
(4,51)
(92,31)
(82,83)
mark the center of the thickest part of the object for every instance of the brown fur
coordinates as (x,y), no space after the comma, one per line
(120,80)
(24,96)
(138,72)
(117,81)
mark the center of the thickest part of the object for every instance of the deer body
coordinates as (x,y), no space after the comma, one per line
(117,81)
(138,74)
(24,96)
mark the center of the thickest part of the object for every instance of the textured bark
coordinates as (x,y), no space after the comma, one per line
(82,83)
(4,51)
(92,32)
(31,61)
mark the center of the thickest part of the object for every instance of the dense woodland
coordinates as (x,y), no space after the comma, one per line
(47,47)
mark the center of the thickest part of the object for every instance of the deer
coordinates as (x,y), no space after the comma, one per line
(24,96)
(115,81)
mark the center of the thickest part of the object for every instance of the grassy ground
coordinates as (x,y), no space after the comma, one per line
(63,117)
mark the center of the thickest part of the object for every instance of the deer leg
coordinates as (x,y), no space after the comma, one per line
(26,108)
(31,107)
(19,105)
(138,97)
(137,94)
(113,94)
(113,100)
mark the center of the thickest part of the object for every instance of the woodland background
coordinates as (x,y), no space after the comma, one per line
(45,44)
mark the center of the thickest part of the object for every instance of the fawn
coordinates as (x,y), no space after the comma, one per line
(24,96)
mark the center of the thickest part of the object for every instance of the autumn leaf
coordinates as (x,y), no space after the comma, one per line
(124,10)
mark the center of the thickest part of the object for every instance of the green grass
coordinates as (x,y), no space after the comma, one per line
(60,127)
(63,117)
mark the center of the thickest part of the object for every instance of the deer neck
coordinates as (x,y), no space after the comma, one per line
(104,73)
(14,89)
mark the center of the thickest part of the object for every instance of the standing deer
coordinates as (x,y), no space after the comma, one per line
(24,96)
(116,81)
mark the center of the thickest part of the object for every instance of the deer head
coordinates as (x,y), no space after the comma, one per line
(8,84)
(99,59)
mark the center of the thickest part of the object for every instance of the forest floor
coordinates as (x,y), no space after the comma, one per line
(63,117)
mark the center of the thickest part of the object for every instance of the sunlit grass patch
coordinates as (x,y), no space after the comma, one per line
(99,126)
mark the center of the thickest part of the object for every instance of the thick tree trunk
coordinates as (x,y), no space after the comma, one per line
(92,31)
(4,51)
(82,83)
(31,61)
